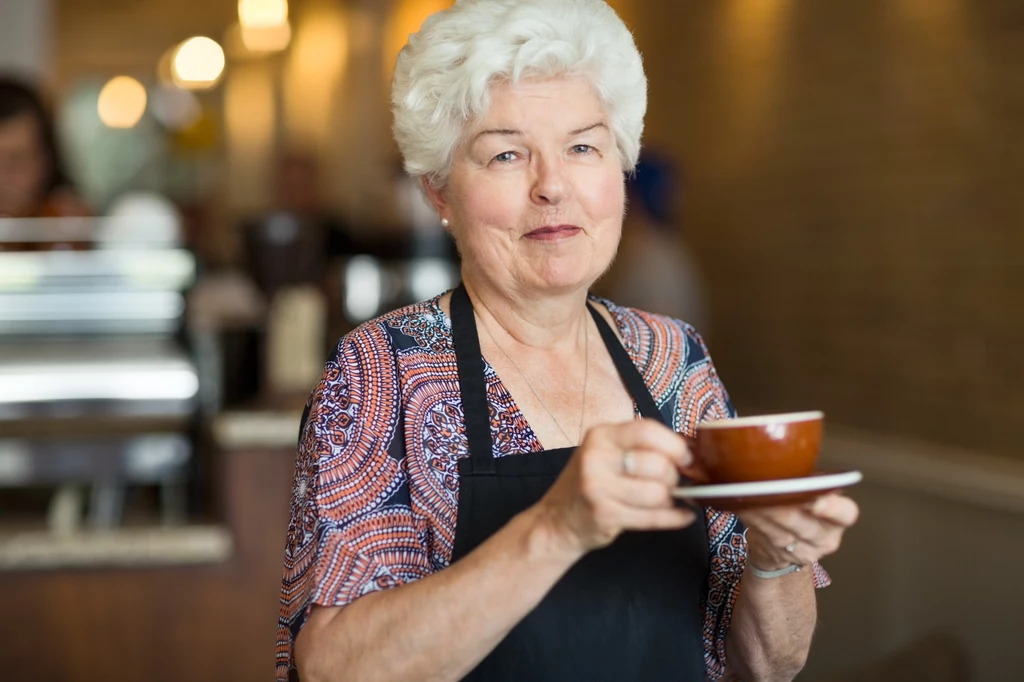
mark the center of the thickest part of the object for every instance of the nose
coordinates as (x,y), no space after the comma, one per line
(550,186)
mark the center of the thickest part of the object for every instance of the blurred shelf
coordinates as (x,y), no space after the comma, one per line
(125,548)
(159,270)
(151,458)
(263,429)
(143,376)
(85,422)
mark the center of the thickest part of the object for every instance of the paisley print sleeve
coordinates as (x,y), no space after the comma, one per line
(352,529)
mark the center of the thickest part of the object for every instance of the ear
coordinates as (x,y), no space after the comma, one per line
(437,197)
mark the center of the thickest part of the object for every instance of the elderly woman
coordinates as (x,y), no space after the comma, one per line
(483,485)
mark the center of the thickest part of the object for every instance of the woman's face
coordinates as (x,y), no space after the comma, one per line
(535,198)
(22,165)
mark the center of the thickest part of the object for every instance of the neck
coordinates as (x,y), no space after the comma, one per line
(551,321)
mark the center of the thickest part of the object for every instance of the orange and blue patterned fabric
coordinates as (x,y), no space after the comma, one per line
(376,485)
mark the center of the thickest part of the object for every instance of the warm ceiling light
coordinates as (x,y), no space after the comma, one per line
(266,38)
(198,63)
(262,13)
(263,25)
(122,102)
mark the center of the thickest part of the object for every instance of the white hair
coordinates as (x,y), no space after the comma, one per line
(443,75)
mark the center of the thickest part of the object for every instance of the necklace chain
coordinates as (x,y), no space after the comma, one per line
(586,373)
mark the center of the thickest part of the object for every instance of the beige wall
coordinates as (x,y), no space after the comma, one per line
(26,38)
(852,194)
(100,38)
(851,172)
(937,550)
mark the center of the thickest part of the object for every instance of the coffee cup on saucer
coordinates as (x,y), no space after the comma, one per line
(767,460)
(761,448)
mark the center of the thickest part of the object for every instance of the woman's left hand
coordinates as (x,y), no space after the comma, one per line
(780,536)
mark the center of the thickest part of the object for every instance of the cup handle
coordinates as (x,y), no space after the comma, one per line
(693,474)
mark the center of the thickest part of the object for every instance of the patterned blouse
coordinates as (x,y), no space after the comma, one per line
(376,484)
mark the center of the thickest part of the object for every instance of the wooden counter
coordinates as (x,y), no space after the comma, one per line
(199,622)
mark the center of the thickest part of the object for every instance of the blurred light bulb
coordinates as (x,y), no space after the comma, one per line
(262,13)
(122,102)
(175,108)
(266,38)
(198,63)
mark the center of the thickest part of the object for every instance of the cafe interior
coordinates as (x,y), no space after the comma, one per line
(846,202)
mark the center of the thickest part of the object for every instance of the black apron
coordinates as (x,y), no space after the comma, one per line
(629,611)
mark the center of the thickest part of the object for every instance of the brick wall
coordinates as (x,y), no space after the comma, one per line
(852,192)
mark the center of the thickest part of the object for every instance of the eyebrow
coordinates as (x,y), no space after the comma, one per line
(512,132)
(506,132)
(584,129)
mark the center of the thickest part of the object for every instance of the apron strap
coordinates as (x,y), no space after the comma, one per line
(472,383)
(627,370)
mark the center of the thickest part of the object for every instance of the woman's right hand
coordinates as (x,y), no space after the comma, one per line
(620,478)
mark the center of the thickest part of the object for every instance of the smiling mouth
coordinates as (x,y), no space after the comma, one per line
(552,232)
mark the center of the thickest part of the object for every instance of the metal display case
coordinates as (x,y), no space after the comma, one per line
(97,392)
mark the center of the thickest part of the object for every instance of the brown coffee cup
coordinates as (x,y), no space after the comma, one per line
(760,448)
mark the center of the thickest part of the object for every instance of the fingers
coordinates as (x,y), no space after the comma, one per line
(808,520)
(632,518)
(837,509)
(643,434)
(621,478)
(777,534)
(769,551)
(647,464)
(792,524)
(804,554)
(770,547)
(804,533)
(642,493)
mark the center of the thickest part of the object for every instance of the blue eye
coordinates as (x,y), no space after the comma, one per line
(505,157)
(582,149)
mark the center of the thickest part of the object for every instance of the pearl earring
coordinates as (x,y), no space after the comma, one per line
(445,223)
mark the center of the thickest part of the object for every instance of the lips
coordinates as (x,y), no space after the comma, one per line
(553,232)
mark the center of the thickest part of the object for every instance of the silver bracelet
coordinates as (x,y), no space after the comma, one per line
(773,574)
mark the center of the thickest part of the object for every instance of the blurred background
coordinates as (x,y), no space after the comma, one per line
(198,198)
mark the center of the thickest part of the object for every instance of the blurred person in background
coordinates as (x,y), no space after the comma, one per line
(291,253)
(294,242)
(479,475)
(655,269)
(33,182)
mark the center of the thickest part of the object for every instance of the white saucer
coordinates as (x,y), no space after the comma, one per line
(784,486)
